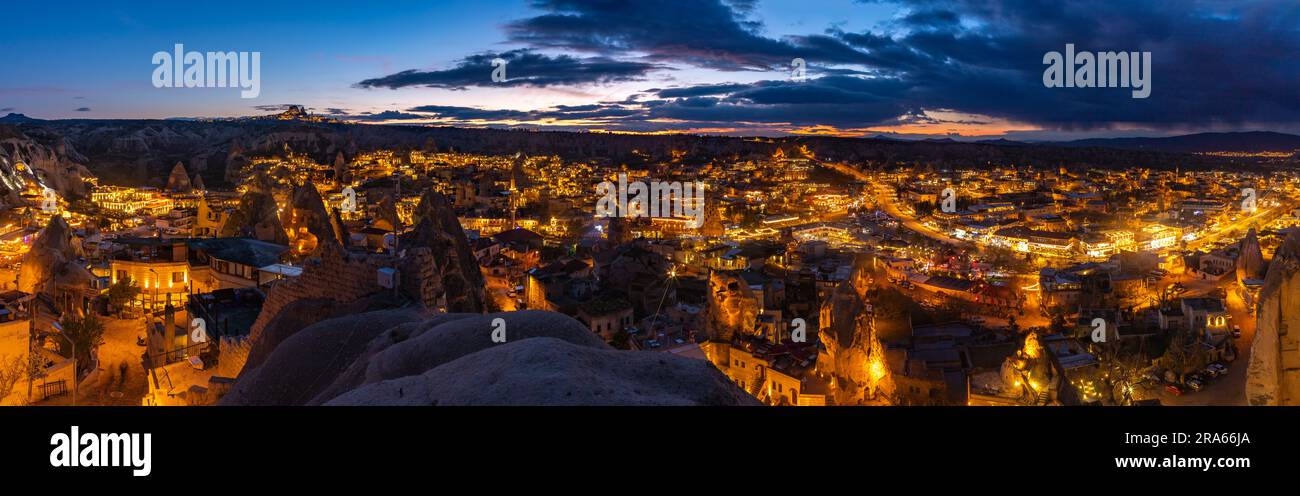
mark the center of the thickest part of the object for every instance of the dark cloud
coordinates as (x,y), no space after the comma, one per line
(7,109)
(707,33)
(83,109)
(387,115)
(278,107)
(1214,63)
(523,68)
(700,90)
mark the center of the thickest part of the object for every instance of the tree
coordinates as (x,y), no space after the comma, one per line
(87,333)
(11,370)
(1122,372)
(122,292)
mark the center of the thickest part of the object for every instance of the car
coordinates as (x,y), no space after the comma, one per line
(1174,390)
(1195,385)
(1220,368)
(1196,377)
(1209,372)
(1236,331)
(1152,377)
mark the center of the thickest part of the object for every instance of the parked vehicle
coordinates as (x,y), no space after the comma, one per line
(1210,373)
(1220,368)
(1174,390)
(1195,385)
(1236,331)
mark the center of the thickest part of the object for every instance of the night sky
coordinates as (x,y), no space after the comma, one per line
(925,68)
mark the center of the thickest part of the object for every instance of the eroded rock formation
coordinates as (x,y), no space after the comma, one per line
(179,180)
(257,215)
(732,307)
(307,223)
(1250,258)
(437,255)
(52,267)
(1273,377)
(451,359)
(33,159)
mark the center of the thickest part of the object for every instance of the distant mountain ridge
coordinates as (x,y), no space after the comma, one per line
(143,151)
(1248,141)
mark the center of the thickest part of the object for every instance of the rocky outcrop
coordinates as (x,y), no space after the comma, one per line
(179,180)
(732,307)
(437,253)
(1250,258)
(309,226)
(1273,377)
(257,216)
(33,159)
(307,359)
(52,261)
(451,359)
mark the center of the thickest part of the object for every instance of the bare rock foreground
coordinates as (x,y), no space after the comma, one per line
(408,357)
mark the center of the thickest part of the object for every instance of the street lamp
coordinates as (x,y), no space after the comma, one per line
(59,327)
(153,304)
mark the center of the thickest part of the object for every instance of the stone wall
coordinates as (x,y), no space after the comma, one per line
(338,276)
(233,355)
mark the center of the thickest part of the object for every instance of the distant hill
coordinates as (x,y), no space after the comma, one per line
(143,152)
(15,119)
(1251,141)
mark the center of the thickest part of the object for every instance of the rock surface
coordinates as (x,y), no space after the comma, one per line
(304,362)
(52,261)
(309,226)
(257,216)
(732,307)
(1250,258)
(438,250)
(41,157)
(451,359)
(1273,376)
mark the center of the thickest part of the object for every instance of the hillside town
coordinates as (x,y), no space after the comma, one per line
(805,281)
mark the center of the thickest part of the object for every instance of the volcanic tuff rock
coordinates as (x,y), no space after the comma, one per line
(450,359)
(1250,259)
(309,226)
(257,216)
(140,152)
(179,180)
(1273,377)
(307,360)
(52,259)
(46,159)
(439,252)
(732,307)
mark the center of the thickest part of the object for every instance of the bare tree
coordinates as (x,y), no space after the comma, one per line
(12,369)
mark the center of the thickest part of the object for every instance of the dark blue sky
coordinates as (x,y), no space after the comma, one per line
(927,67)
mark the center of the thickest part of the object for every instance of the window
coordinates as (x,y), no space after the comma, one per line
(121,274)
(178,277)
